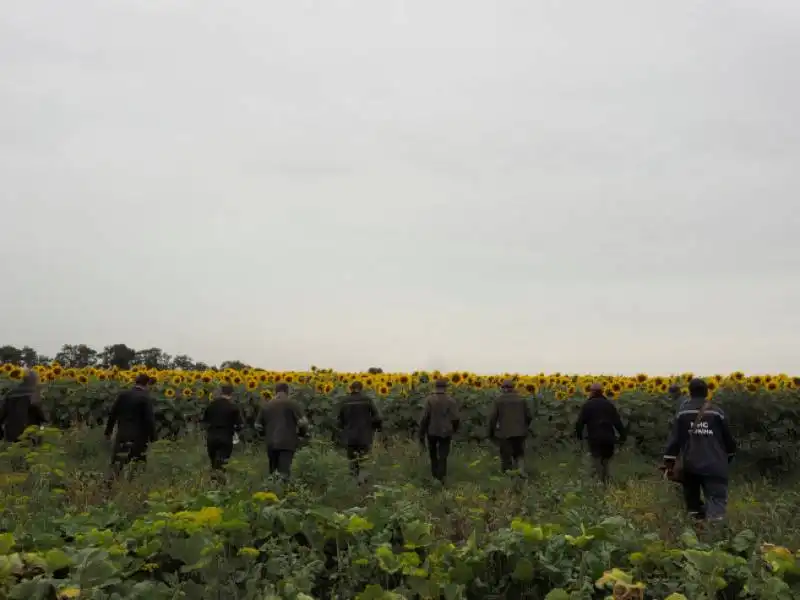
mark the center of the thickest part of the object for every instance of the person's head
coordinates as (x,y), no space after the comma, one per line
(596,390)
(143,380)
(674,391)
(698,388)
(226,390)
(507,385)
(356,387)
(282,388)
(441,385)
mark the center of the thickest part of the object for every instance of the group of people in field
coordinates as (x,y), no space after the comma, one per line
(698,452)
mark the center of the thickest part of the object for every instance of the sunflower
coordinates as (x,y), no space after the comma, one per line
(237,380)
(289,378)
(757,379)
(455,377)
(266,394)
(252,384)
(57,370)
(7,367)
(737,376)
(201,393)
(15,373)
(404,379)
(83,379)
(206,378)
(186,392)
(102,376)
(177,380)
(712,385)
(262,377)
(328,388)
(772,386)
(530,388)
(616,387)
(169,393)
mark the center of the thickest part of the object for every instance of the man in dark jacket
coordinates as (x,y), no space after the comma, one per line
(439,422)
(508,423)
(222,421)
(22,408)
(700,435)
(600,417)
(132,414)
(359,419)
(282,422)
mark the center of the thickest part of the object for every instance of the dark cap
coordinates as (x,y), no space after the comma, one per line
(441,383)
(356,386)
(508,384)
(698,388)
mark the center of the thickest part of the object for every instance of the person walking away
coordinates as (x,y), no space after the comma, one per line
(222,420)
(600,417)
(508,424)
(282,422)
(21,409)
(132,414)
(440,420)
(359,419)
(698,454)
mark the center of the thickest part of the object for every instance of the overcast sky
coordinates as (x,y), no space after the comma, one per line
(521,185)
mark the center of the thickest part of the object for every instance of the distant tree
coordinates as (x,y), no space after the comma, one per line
(117,355)
(184,363)
(10,354)
(234,364)
(30,358)
(153,358)
(76,356)
(375,370)
(201,366)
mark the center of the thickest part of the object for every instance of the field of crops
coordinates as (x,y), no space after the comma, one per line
(174,532)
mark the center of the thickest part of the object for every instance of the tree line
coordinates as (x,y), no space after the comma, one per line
(122,356)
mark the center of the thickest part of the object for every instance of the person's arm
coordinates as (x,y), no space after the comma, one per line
(493,417)
(456,418)
(302,424)
(581,422)
(528,413)
(674,444)
(113,415)
(37,414)
(425,421)
(377,422)
(150,420)
(621,431)
(727,439)
(238,422)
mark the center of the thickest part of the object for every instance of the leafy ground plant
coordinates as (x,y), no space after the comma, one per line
(175,532)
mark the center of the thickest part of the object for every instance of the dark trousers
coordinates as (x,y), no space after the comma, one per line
(219,452)
(126,453)
(512,452)
(356,455)
(281,461)
(439,450)
(705,497)
(601,452)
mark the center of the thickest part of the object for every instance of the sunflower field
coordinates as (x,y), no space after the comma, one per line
(763,410)
(177,531)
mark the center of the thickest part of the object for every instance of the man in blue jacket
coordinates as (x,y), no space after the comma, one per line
(700,435)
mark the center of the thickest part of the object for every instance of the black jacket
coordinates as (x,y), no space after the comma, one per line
(222,419)
(358,420)
(19,411)
(132,413)
(707,449)
(600,417)
(281,420)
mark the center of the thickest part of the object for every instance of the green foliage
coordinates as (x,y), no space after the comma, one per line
(559,536)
